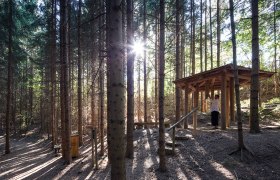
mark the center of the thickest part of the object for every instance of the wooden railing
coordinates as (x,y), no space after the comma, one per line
(174,126)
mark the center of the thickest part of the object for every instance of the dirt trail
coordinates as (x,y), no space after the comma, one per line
(204,156)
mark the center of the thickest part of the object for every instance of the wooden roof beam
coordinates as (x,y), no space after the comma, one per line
(213,81)
(201,84)
(242,77)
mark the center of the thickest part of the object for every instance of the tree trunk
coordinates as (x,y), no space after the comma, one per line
(53,74)
(70,62)
(79,90)
(108,18)
(236,79)
(145,62)
(218,33)
(65,117)
(10,77)
(139,93)
(201,54)
(205,36)
(211,36)
(193,36)
(26,93)
(162,160)
(156,64)
(41,105)
(130,80)
(178,61)
(116,86)
(30,91)
(276,83)
(254,98)
(101,81)
(14,107)
(182,51)
(201,37)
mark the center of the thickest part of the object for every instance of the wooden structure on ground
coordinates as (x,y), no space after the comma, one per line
(221,78)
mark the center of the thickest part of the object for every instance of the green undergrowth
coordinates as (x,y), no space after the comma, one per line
(270,110)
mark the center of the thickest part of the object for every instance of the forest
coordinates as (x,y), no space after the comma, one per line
(123,89)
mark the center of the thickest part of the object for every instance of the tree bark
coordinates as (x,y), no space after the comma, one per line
(218,33)
(201,54)
(156,64)
(201,37)
(53,73)
(93,54)
(13,107)
(79,90)
(145,61)
(193,35)
(65,117)
(30,91)
(108,47)
(205,36)
(254,98)
(139,93)
(116,86)
(211,36)
(276,81)
(10,77)
(162,159)
(178,61)
(236,79)
(101,80)
(223,100)
(130,80)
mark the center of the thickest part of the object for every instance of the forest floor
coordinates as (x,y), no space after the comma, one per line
(204,156)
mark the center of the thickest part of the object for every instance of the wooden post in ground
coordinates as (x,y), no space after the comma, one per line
(186,106)
(212,92)
(207,86)
(195,104)
(202,101)
(228,106)
(212,89)
(231,86)
(223,100)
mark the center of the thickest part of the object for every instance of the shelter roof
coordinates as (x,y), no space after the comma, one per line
(213,78)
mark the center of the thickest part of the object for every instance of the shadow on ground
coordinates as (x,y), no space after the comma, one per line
(204,156)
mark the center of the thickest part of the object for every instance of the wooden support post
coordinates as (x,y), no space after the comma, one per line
(195,104)
(223,100)
(228,106)
(186,106)
(231,86)
(182,111)
(202,101)
(207,87)
(212,92)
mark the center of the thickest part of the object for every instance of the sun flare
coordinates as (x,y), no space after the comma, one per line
(138,48)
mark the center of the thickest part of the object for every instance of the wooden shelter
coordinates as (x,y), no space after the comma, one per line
(221,78)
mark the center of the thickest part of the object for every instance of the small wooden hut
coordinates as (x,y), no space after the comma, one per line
(221,78)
